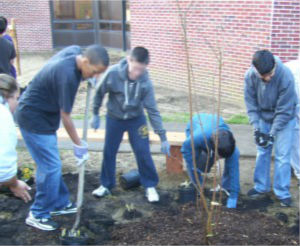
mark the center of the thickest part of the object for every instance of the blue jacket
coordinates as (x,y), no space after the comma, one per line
(202,136)
(274,102)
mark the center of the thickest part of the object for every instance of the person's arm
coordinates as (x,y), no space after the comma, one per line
(285,107)
(250,96)
(70,128)
(232,166)
(13,55)
(153,113)
(101,90)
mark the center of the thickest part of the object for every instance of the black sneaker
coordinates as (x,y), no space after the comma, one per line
(70,209)
(253,193)
(286,202)
(42,223)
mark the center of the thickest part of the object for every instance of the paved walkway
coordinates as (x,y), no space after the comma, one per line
(243,135)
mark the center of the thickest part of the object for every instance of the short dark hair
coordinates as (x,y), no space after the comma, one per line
(96,55)
(263,61)
(140,54)
(3,24)
(226,143)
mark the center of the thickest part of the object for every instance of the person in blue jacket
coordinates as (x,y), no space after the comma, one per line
(271,101)
(205,128)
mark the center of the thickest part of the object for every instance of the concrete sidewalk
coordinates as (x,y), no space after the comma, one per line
(243,135)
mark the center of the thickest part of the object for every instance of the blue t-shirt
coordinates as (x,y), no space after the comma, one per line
(53,89)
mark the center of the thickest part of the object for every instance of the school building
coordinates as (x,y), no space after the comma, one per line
(236,28)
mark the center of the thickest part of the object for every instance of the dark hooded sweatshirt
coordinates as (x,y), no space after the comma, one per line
(128,99)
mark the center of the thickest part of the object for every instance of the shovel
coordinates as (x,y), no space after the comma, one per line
(74,236)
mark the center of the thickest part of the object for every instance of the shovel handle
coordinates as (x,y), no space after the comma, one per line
(81,168)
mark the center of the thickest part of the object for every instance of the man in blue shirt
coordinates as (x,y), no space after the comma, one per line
(206,127)
(271,101)
(49,98)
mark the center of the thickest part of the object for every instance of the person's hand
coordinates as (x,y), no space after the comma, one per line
(257,136)
(81,152)
(231,202)
(20,189)
(165,148)
(267,140)
(95,123)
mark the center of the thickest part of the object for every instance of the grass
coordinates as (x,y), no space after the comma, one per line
(176,117)
(237,119)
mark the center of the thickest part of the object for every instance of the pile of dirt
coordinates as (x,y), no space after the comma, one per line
(185,227)
(126,217)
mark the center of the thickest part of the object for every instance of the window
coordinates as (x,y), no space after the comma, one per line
(85,22)
(66,9)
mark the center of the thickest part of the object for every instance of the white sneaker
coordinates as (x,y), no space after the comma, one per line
(152,194)
(42,224)
(101,192)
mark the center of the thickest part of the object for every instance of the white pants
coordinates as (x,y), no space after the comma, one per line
(295,154)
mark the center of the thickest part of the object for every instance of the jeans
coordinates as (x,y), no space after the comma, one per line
(282,169)
(51,191)
(139,139)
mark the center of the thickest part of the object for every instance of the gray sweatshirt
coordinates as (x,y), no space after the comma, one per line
(128,99)
(273,102)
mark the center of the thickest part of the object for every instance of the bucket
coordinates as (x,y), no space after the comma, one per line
(130,180)
(186,194)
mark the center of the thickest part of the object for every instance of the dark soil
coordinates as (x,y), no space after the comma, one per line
(185,227)
(108,221)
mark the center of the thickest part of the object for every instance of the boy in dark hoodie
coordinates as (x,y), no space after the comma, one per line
(130,92)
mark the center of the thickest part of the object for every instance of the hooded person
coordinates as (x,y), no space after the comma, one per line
(270,98)
(130,91)
(206,129)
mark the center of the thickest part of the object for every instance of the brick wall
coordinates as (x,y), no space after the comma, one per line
(32,21)
(286,29)
(240,28)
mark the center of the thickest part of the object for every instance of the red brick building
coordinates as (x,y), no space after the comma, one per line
(239,27)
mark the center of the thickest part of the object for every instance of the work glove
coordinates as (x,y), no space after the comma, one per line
(81,152)
(257,136)
(165,148)
(231,202)
(266,140)
(95,123)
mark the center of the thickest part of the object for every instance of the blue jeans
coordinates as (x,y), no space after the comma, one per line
(51,191)
(231,174)
(282,168)
(139,139)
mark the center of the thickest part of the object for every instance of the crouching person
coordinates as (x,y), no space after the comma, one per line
(130,92)
(206,127)
(9,93)
(49,98)
(271,100)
